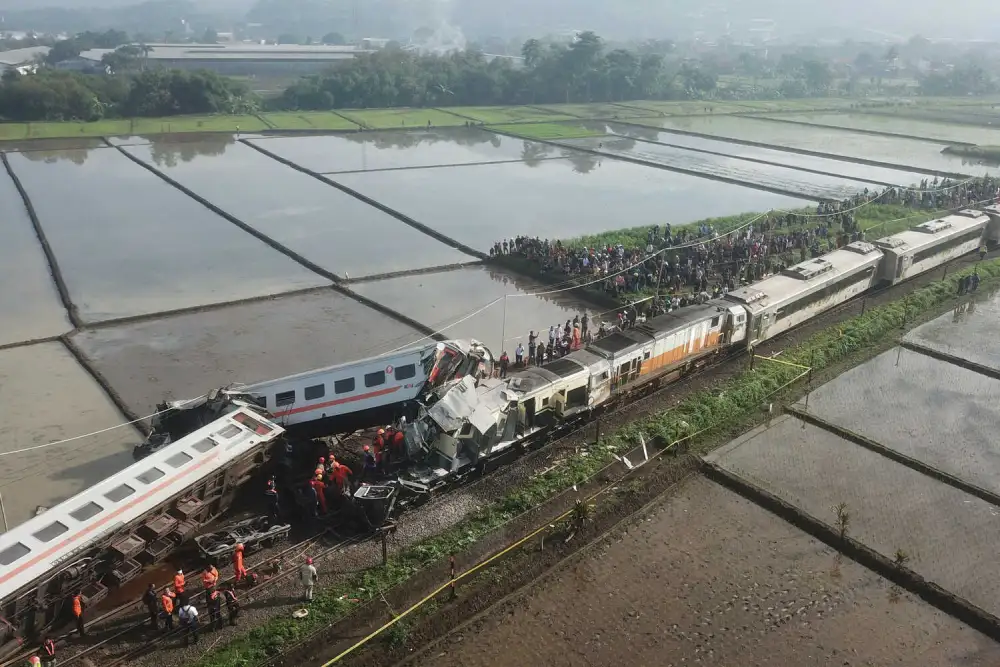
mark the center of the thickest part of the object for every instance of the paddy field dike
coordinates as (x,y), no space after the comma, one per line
(157,259)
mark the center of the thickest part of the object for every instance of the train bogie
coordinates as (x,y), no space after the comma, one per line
(801,292)
(931,244)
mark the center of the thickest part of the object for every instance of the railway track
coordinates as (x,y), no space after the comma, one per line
(560,438)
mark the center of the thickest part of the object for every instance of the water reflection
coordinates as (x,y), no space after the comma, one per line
(50,152)
(168,151)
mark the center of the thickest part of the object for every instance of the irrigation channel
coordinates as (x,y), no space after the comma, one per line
(124,646)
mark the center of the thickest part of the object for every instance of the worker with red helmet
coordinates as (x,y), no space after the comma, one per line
(378,446)
(320,487)
(398,443)
(320,467)
(239,571)
(179,582)
(340,477)
(308,576)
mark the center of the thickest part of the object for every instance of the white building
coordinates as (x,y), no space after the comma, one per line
(25,60)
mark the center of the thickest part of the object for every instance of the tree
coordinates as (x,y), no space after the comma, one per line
(209,36)
(288,38)
(817,76)
(532,53)
(865,63)
(333,39)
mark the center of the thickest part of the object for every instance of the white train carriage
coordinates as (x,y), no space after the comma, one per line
(361,393)
(98,537)
(931,244)
(785,300)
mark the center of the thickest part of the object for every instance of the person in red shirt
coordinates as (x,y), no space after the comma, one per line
(239,571)
(320,488)
(340,475)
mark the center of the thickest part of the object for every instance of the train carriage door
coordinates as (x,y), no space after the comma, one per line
(529,413)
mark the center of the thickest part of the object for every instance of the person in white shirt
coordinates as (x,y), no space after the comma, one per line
(308,576)
(188,616)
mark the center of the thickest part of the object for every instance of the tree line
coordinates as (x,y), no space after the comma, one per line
(583,70)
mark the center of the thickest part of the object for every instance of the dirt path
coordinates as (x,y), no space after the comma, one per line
(707,577)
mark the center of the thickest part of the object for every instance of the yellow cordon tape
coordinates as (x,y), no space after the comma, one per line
(535,533)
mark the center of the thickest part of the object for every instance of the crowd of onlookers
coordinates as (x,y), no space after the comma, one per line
(699,262)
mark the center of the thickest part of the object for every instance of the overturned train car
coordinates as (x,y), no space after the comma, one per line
(106,535)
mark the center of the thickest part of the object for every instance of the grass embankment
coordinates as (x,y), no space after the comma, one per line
(547,131)
(308,120)
(693,421)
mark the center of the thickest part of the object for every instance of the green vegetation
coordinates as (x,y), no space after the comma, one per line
(132,126)
(382,119)
(697,416)
(316,120)
(497,115)
(549,131)
(597,110)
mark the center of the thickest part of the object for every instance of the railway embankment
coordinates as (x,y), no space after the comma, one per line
(695,424)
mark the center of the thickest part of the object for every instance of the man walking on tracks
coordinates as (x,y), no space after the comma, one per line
(167,601)
(188,615)
(239,571)
(78,609)
(232,605)
(308,577)
(149,598)
(215,609)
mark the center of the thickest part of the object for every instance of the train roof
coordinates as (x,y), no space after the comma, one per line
(806,277)
(56,536)
(680,319)
(619,341)
(933,232)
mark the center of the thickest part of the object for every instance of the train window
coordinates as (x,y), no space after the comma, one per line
(715,321)
(51,532)
(316,391)
(284,398)
(344,386)
(374,379)
(645,355)
(151,475)
(205,445)
(251,423)
(119,493)
(954,243)
(229,432)
(741,318)
(10,555)
(179,459)
(405,372)
(84,512)
(261,401)
(825,293)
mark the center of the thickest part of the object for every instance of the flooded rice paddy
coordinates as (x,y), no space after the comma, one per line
(334,230)
(48,397)
(583,194)
(440,299)
(129,244)
(949,536)
(186,355)
(969,332)
(372,151)
(706,577)
(805,184)
(839,167)
(833,141)
(28,298)
(944,132)
(935,412)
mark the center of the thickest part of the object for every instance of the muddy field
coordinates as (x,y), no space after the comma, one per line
(710,578)
(843,168)
(969,332)
(129,244)
(951,538)
(936,412)
(328,227)
(48,397)
(833,141)
(373,151)
(804,184)
(186,355)
(441,299)
(28,297)
(582,194)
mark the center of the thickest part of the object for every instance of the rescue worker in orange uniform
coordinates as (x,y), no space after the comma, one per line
(340,475)
(179,582)
(320,467)
(398,444)
(78,608)
(167,602)
(208,578)
(239,571)
(320,488)
(378,445)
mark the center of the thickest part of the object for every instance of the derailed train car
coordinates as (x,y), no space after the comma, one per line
(107,534)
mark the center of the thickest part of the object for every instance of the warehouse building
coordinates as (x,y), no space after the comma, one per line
(23,60)
(242,59)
